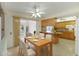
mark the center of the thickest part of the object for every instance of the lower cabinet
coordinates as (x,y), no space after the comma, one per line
(67,35)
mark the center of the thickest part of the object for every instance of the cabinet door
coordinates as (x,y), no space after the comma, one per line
(68,35)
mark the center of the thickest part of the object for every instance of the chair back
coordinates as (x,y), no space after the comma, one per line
(41,36)
(49,37)
(23,47)
(28,34)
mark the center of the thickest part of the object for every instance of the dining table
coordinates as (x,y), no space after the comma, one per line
(39,44)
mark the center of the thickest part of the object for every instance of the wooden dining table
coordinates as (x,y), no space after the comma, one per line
(39,44)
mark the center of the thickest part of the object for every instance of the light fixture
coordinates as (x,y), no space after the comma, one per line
(36,12)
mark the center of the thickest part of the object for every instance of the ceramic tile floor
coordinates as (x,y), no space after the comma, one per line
(13,51)
(63,48)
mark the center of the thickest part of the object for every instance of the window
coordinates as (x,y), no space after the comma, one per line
(27,26)
(49,29)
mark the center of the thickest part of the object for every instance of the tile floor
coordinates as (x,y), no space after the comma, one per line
(13,51)
(63,48)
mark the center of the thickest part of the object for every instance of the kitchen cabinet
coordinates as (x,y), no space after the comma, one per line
(67,35)
(47,22)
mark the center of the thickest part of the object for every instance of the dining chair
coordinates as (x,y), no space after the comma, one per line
(41,35)
(28,34)
(31,46)
(20,48)
(25,51)
(49,37)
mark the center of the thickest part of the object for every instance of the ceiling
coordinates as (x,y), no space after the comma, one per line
(51,9)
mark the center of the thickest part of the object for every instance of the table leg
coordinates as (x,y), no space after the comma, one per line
(38,51)
(50,50)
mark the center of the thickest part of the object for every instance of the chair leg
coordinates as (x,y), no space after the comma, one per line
(20,51)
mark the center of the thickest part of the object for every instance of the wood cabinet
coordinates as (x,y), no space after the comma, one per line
(67,35)
(60,25)
(47,22)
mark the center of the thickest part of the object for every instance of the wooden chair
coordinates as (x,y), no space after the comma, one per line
(49,37)
(20,47)
(28,34)
(24,50)
(41,36)
(29,44)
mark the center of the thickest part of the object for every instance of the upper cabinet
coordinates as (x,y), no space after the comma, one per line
(47,22)
(60,25)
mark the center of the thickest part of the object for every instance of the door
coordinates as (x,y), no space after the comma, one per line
(16,30)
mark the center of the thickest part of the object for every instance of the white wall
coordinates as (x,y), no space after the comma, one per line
(77,37)
(0,29)
(3,47)
(3,44)
(8,30)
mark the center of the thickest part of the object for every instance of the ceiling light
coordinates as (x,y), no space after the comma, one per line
(36,12)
